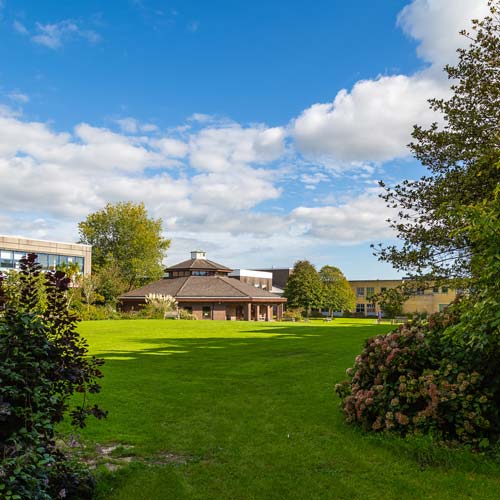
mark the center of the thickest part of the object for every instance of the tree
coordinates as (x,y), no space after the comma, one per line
(392,300)
(304,288)
(123,237)
(337,293)
(463,162)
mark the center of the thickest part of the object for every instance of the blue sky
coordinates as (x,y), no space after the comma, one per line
(256,130)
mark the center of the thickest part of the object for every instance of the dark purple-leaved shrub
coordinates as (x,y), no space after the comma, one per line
(43,362)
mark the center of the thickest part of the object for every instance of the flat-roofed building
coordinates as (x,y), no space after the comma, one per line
(50,253)
(259,279)
(431,300)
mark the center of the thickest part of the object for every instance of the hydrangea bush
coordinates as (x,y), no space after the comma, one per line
(414,380)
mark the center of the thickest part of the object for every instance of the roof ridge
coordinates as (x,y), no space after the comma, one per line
(183,285)
(227,279)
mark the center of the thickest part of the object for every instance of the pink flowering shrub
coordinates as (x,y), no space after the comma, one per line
(413,380)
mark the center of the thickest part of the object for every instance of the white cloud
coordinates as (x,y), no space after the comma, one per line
(172,147)
(130,125)
(53,35)
(220,148)
(436,25)
(373,121)
(361,219)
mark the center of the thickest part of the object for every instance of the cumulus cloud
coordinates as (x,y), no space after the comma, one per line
(66,175)
(361,219)
(436,24)
(220,148)
(373,121)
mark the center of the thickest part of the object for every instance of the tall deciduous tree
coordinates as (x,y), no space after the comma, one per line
(463,162)
(337,293)
(124,237)
(304,288)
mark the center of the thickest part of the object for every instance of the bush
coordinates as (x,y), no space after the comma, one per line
(414,380)
(185,314)
(43,362)
(95,313)
(292,315)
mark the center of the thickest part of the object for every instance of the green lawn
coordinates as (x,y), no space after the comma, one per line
(248,411)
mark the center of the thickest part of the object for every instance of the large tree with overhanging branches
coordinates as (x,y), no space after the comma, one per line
(463,162)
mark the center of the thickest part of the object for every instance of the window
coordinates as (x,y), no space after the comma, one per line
(81,263)
(43,260)
(206,312)
(370,292)
(435,289)
(360,308)
(6,260)
(17,259)
(444,289)
(52,261)
(419,291)
(62,259)
(360,292)
(200,273)
(370,308)
(189,309)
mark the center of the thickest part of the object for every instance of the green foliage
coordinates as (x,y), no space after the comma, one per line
(185,314)
(414,381)
(304,288)
(463,162)
(98,312)
(127,245)
(479,326)
(43,362)
(293,314)
(336,291)
(158,306)
(391,301)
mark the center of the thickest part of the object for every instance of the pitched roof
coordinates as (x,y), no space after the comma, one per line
(203,264)
(197,287)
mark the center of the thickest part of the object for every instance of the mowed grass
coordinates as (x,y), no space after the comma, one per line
(248,411)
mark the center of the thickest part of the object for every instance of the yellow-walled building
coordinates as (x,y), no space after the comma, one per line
(428,301)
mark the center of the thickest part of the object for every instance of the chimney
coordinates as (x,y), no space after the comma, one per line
(198,254)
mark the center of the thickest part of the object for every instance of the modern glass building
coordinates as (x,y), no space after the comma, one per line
(50,253)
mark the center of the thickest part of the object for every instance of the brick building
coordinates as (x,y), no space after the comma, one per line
(205,289)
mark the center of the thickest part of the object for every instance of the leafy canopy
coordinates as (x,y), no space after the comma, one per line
(304,288)
(336,291)
(125,243)
(462,158)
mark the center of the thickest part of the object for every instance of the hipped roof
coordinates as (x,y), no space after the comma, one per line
(199,264)
(200,287)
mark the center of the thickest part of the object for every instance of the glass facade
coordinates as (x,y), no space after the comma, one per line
(10,259)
